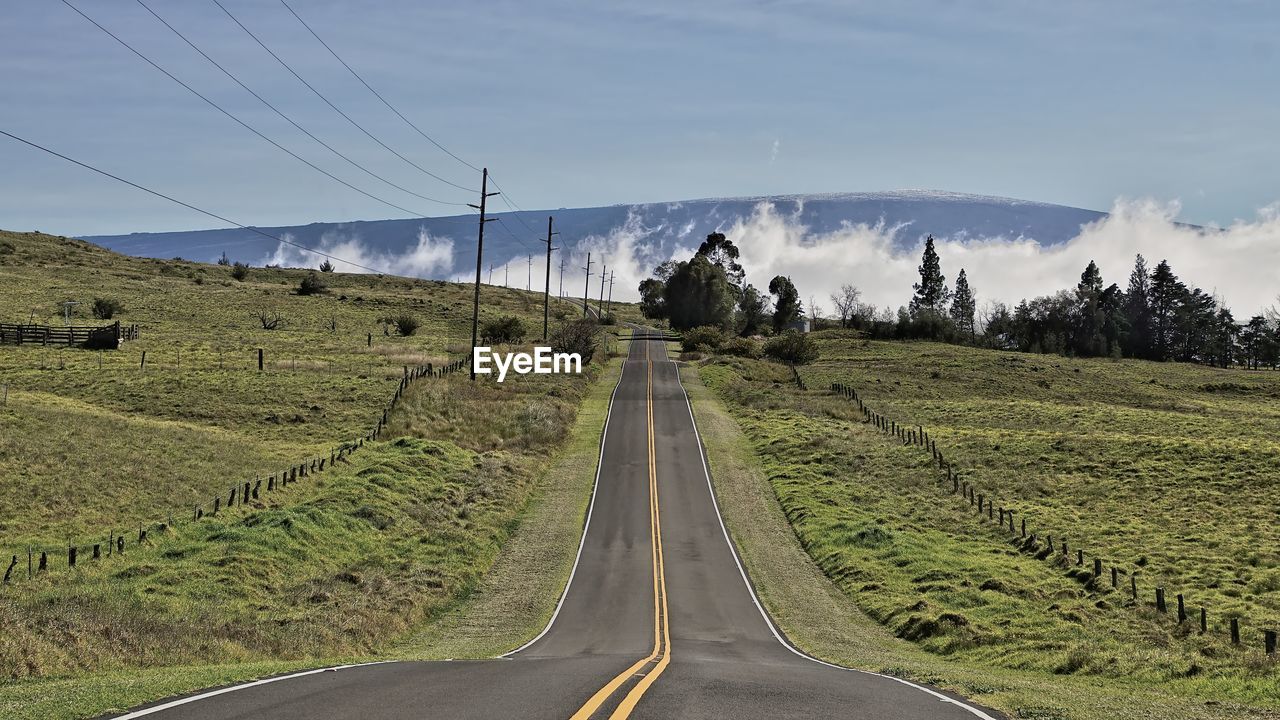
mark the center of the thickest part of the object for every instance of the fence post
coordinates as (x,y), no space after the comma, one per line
(1204,620)
(44,561)
(1097,568)
(1024,527)
(1182,610)
(97,551)
(1235,631)
(1115,577)
(143,364)
(1160,606)
(71,557)
(1079,556)
(1270,640)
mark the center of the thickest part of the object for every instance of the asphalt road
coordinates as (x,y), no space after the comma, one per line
(658,620)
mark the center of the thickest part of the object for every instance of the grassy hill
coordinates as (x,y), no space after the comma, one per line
(1167,471)
(344,564)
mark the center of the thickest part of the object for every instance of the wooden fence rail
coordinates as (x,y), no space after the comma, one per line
(1029,543)
(107,337)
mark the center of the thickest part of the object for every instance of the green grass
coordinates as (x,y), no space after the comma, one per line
(917,561)
(825,620)
(91,442)
(357,562)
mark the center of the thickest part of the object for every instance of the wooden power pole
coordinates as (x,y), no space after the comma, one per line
(475,309)
(586,290)
(546,293)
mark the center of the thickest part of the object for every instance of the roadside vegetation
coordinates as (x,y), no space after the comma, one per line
(1168,469)
(346,564)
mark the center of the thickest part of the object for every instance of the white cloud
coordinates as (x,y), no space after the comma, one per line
(428,257)
(1239,263)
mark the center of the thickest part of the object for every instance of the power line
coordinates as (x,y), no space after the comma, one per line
(242,123)
(335,108)
(189,206)
(376,94)
(288,119)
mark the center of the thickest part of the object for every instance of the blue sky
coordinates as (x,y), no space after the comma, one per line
(575,104)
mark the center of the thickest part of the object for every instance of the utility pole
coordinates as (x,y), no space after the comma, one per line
(506,274)
(490,273)
(609,307)
(586,290)
(546,293)
(475,308)
(603,275)
(528,284)
(562,276)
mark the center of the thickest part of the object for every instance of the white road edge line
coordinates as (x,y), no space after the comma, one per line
(706,471)
(586,526)
(232,688)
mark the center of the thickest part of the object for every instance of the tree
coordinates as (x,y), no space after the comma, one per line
(753,311)
(1137,311)
(931,292)
(239,271)
(698,293)
(1087,340)
(326,266)
(792,347)
(312,284)
(106,308)
(845,302)
(224,260)
(786,308)
(1164,293)
(652,304)
(963,307)
(724,254)
(505,330)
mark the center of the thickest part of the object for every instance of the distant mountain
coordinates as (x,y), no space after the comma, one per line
(658,227)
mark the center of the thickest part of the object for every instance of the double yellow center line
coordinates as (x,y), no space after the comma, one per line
(651,666)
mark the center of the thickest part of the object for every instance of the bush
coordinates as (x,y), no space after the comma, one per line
(707,337)
(506,330)
(579,336)
(239,271)
(106,308)
(224,261)
(792,347)
(326,266)
(741,347)
(406,325)
(609,320)
(312,284)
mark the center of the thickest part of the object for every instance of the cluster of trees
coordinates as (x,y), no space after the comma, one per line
(710,289)
(1156,317)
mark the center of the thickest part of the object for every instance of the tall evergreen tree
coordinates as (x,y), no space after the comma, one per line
(963,307)
(931,292)
(786,308)
(1137,311)
(1165,293)
(1087,337)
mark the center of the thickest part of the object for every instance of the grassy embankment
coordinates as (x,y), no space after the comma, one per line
(1172,478)
(347,564)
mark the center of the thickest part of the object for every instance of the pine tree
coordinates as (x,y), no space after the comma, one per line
(1137,311)
(1089,340)
(963,307)
(931,292)
(1165,293)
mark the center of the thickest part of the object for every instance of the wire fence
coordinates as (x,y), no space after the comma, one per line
(241,493)
(1100,577)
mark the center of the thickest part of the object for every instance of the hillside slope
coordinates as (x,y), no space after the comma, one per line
(658,228)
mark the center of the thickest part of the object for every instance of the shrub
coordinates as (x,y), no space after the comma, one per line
(741,347)
(406,325)
(609,320)
(239,271)
(792,347)
(312,284)
(106,308)
(707,337)
(506,330)
(269,320)
(578,336)
(224,261)
(326,266)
